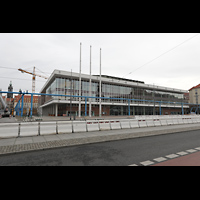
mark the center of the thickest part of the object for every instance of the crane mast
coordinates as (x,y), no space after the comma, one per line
(33,81)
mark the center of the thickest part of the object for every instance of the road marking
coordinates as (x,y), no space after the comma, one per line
(172,156)
(182,153)
(146,163)
(160,159)
(133,165)
(191,150)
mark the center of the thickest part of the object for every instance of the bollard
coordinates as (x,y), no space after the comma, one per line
(38,128)
(72,127)
(56,127)
(19,130)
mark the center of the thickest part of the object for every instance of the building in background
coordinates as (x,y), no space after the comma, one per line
(194,94)
(186,97)
(194,98)
(144,95)
(10,89)
(27,104)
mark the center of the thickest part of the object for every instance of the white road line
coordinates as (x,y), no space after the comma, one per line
(133,165)
(182,153)
(191,150)
(160,159)
(146,163)
(172,156)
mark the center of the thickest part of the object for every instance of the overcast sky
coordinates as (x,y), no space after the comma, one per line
(164,59)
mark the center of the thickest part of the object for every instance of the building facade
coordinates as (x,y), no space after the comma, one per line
(27,104)
(145,99)
(194,95)
(194,99)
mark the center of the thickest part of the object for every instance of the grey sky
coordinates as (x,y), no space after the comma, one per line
(122,53)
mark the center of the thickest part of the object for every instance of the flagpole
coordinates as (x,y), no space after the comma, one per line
(90,93)
(79,107)
(100,87)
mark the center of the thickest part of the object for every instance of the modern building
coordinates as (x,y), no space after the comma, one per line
(145,99)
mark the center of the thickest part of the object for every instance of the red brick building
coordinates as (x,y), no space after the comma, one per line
(27,103)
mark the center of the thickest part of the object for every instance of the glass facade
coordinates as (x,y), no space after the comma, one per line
(143,99)
(65,86)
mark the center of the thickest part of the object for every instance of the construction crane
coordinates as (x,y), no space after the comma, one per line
(34,76)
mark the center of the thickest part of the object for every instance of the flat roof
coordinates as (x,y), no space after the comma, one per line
(123,79)
(106,79)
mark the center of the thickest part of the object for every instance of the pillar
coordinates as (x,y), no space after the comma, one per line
(56,110)
(31,105)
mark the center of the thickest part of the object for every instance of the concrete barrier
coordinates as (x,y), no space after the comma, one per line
(157,122)
(163,122)
(29,129)
(134,123)
(195,120)
(170,122)
(125,123)
(79,126)
(9,130)
(175,121)
(64,127)
(47,128)
(185,120)
(92,125)
(190,121)
(142,123)
(198,119)
(150,123)
(104,125)
(115,125)
(180,121)
(44,128)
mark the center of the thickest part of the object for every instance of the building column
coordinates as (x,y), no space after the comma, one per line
(56,110)
(133,110)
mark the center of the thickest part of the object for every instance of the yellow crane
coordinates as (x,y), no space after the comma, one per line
(34,76)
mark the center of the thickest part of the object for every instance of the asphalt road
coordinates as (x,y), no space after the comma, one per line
(114,153)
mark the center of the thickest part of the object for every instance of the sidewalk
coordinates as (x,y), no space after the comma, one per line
(20,144)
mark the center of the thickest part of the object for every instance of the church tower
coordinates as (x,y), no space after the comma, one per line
(10,89)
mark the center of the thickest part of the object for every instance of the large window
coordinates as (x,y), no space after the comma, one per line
(66,86)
